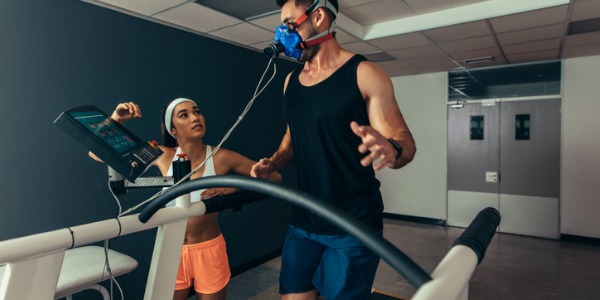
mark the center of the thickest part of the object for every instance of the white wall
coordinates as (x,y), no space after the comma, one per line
(419,189)
(580,165)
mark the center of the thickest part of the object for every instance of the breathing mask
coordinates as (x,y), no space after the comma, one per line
(288,40)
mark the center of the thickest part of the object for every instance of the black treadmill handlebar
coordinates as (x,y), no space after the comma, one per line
(412,272)
(480,232)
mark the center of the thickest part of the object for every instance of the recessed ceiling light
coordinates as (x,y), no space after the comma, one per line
(478,60)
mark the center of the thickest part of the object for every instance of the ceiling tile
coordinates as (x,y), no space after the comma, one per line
(421,7)
(525,37)
(533,56)
(532,46)
(497,61)
(352,3)
(360,47)
(243,33)
(581,50)
(197,17)
(582,39)
(400,41)
(458,32)
(585,9)
(537,18)
(470,54)
(376,12)
(443,67)
(261,45)
(397,68)
(405,53)
(532,34)
(147,7)
(268,22)
(242,10)
(429,60)
(394,64)
(469,44)
(343,37)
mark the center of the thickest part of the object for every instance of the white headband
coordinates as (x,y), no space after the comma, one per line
(169,112)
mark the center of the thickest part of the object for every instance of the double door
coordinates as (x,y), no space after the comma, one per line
(506,154)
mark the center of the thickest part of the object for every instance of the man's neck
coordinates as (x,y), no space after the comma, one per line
(330,56)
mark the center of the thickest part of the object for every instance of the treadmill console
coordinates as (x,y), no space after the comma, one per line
(109,140)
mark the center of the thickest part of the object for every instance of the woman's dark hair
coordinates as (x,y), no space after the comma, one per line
(168,139)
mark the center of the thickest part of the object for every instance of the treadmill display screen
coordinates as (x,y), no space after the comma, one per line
(104,129)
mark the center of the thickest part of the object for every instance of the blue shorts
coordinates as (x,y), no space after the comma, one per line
(337,266)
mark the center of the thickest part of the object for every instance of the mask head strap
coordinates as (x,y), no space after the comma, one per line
(169,112)
(316,4)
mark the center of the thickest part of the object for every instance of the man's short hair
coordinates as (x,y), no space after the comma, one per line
(307,3)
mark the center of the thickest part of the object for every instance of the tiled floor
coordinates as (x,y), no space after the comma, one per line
(515,267)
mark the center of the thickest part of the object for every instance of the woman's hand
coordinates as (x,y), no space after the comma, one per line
(126,111)
(213,192)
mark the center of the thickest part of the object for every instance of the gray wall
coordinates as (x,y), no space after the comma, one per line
(55,55)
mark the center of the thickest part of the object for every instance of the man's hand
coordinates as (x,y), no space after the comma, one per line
(382,153)
(262,169)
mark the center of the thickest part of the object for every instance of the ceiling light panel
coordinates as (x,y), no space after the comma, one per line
(464,14)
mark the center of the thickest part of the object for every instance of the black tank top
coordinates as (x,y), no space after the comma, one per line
(325,149)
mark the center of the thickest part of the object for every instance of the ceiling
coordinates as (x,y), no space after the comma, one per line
(404,37)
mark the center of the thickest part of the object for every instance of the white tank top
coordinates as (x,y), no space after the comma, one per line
(209,170)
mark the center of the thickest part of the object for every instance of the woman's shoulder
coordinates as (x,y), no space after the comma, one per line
(168,150)
(166,158)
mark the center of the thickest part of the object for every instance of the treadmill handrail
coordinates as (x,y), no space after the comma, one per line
(412,272)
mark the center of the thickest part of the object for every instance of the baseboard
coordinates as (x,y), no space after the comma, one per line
(424,220)
(255,262)
(580,239)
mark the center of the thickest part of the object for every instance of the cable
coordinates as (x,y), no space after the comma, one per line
(257,92)
(116,199)
(120,227)
(72,238)
(106,260)
(108,269)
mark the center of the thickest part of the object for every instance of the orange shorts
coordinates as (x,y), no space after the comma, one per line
(205,266)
